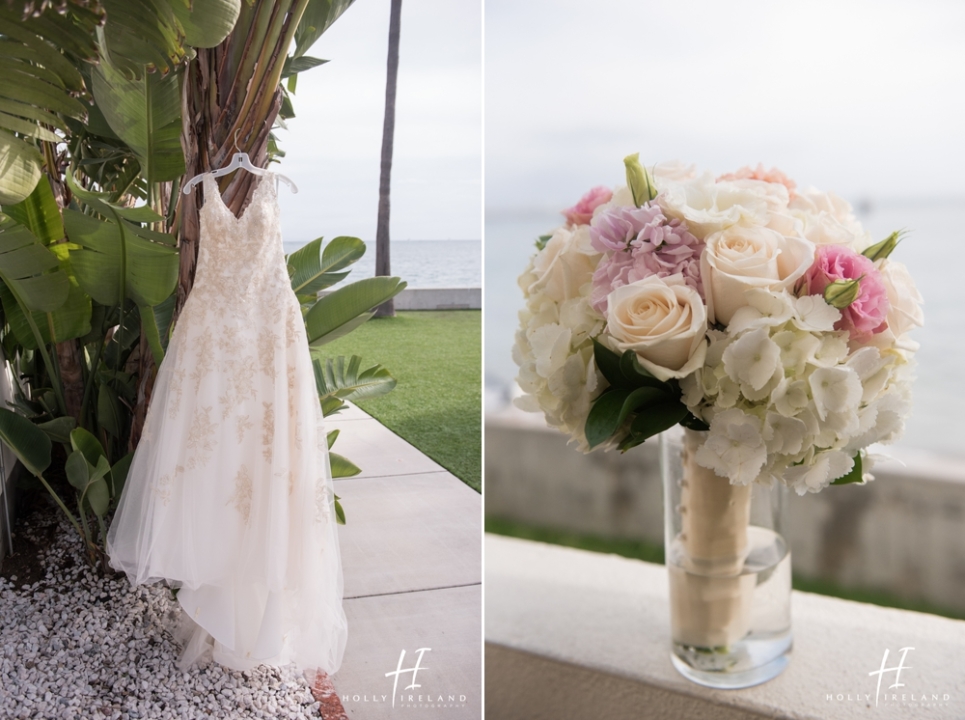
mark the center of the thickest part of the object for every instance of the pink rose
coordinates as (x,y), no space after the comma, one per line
(759,173)
(865,316)
(582,212)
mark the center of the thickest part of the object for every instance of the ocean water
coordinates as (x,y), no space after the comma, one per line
(934,252)
(422,263)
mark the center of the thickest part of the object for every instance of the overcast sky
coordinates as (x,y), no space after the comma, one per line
(333,145)
(864,98)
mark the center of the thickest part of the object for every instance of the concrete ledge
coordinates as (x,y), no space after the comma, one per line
(572,634)
(459,298)
(904,533)
(439,299)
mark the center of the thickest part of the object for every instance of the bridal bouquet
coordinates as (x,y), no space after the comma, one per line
(737,304)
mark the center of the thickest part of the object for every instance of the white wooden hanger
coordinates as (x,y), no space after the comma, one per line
(239,160)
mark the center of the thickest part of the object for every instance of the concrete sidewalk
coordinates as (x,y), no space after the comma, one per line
(412,559)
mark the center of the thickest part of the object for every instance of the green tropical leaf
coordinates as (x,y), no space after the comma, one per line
(342,467)
(29,443)
(78,471)
(86,443)
(146,114)
(30,269)
(312,271)
(114,260)
(110,414)
(140,33)
(293,66)
(59,429)
(341,311)
(20,164)
(35,281)
(156,324)
(206,23)
(336,378)
(39,213)
(339,512)
(36,82)
(332,437)
(99,495)
(318,17)
(118,475)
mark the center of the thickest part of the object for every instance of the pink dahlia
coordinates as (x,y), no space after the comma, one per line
(867,315)
(638,243)
(582,212)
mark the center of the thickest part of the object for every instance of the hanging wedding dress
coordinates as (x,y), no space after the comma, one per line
(229,496)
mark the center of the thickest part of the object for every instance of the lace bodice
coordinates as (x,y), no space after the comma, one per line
(240,257)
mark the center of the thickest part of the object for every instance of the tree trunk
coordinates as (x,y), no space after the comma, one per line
(382,263)
(229,102)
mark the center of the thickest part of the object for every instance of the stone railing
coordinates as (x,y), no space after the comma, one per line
(574,634)
(903,534)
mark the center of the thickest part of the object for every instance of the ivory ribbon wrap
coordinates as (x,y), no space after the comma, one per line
(710,599)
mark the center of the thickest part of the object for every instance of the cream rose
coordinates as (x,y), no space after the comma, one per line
(904,299)
(741,258)
(663,320)
(708,206)
(564,265)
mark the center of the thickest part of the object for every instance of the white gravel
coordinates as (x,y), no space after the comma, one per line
(75,645)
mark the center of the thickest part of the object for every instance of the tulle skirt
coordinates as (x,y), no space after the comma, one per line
(229,497)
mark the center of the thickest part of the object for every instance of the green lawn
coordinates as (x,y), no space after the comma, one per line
(652,552)
(436,356)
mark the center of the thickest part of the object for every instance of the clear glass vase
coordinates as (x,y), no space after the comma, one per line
(730,570)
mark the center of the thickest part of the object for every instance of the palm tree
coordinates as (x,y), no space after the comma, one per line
(382,264)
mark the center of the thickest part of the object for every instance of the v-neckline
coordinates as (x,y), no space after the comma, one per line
(221,202)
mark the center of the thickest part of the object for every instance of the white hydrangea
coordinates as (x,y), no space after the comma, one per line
(787,398)
(554,348)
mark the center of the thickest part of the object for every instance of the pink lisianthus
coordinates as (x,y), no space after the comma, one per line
(582,212)
(867,315)
(759,173)
(638,243)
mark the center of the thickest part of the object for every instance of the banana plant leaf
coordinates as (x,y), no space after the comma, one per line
(39,213)
(19,168)
(114,262)
(36,82)
(29,268)
(206,23)
(117,259)
(28,442)
(318,17)
(142,32)
(340,312)
(146,114)
(312,270)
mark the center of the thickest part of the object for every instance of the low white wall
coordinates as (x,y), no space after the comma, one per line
(439,299)
(573,634)
(458,298)
(903,533)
